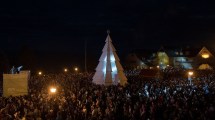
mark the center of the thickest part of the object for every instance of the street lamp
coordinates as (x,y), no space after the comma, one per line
(76,69)
(53,90)
(190,74)
(158,66)
(40,73)
(65,70)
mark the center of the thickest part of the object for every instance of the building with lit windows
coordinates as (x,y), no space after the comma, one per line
(186,58)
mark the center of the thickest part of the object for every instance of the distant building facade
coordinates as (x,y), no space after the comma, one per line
(186,58)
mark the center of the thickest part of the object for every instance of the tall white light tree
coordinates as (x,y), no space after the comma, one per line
(109,70)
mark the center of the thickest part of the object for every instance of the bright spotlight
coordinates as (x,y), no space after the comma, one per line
(76,69)
(65,70)
(53,90)
(190,73)
(40,73)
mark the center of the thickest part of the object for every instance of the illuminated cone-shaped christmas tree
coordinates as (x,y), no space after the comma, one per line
(109,70)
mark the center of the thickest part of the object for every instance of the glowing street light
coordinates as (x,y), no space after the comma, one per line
(190,74)
(65,70)
(53,90)
(40,73)
(76,69)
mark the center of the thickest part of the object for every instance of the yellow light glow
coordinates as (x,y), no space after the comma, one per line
(205,55)
(40,73)
(53,90)
(65,70)
(76,69)
(190,73)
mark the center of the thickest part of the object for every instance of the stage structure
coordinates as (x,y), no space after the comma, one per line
(16,84)
(109,70)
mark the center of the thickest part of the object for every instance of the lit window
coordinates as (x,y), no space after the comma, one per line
(205,55)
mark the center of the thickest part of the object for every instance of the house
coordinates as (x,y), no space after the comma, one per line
(186,58)
(205,59)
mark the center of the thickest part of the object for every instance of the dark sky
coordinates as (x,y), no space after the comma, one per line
(59,27)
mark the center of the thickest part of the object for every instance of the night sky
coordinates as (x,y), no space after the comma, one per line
(55,30)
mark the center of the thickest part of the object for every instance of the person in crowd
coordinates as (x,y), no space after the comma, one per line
(77,98)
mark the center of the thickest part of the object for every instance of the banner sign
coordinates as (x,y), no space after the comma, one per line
(15,84)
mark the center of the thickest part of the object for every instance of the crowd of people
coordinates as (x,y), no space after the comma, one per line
(77,98)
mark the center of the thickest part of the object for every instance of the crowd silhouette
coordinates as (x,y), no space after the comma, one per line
(77,98)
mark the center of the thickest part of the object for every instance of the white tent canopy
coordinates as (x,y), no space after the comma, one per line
(109,70)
